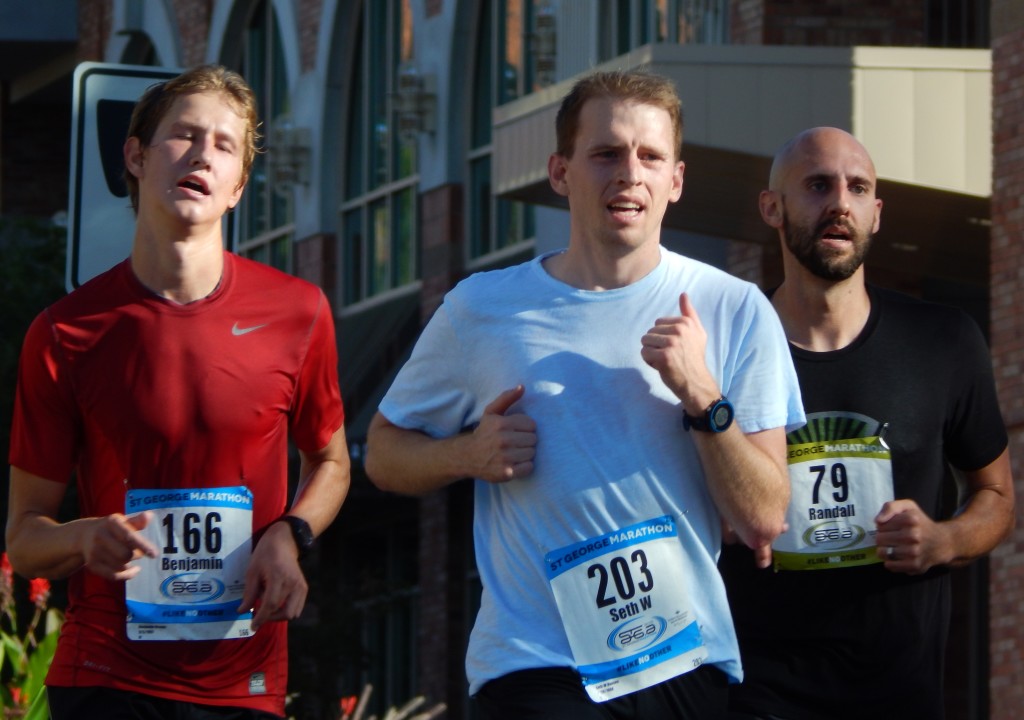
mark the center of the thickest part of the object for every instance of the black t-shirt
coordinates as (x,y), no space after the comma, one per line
(863,641)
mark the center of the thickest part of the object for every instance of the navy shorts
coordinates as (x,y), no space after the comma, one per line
(100,703)
(558,694)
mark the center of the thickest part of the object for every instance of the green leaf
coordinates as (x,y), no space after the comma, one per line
(38,664)
(39,709)
(15,652)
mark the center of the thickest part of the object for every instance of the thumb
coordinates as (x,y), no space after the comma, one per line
(687,310)
(140,520)
(686,307)
(889,510)
(501,404)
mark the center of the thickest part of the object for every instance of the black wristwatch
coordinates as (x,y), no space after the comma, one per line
(717,417)
(301,532)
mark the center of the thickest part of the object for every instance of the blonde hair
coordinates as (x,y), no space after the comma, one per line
(637,86)
(157,100)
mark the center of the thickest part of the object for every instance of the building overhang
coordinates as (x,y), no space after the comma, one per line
(923,114)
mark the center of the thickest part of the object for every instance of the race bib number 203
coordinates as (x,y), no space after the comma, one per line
(625,607)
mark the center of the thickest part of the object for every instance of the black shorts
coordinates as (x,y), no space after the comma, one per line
(558,694)
(100,703)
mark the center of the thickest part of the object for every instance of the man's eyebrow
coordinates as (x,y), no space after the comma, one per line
(605,145)
(830,177)
(225,134)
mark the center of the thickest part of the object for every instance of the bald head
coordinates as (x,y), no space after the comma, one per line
(814,143)
(821,199)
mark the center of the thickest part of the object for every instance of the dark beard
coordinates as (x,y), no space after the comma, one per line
(822,262)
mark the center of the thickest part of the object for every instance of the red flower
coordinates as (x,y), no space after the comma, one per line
(6,572)
(39,591)
(16,695)
(348,705)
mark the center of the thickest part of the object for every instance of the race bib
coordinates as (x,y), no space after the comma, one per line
(192,589)
(626,608)
(838,487)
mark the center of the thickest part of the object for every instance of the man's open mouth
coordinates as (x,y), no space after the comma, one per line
(194,185)
(626,207)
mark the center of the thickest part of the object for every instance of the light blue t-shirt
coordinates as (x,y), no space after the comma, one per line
(611,449)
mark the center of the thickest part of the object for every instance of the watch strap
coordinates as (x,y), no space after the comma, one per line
(302,533)
(705,421)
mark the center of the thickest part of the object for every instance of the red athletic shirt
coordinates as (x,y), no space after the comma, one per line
(128,390)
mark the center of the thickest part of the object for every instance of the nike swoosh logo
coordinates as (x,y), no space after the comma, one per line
(235,330)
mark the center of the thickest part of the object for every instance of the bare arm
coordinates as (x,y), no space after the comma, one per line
(500,448)
(918,543)
(39,546)
(747,478)
(274,576)
(745,473)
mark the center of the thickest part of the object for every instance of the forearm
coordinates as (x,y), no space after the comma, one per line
(747,479)
(38,546)
(321,494)
(324,480)
(413,463)
(986,519)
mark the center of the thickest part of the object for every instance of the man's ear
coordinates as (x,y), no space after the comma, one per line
(133,156)
(770,204)
(556,174)
(677,182)
(236,196)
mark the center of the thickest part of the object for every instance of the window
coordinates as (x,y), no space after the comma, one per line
(957,24)
(626,24)
(506,67)
(378,212)
(265,216)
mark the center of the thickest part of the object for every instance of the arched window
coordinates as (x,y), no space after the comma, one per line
(265,216)
(505,68)
(378,210)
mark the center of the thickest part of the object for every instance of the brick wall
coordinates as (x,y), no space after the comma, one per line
(745,260)
(1007,334)
(310,19)
(315,260)
(843,22)
(441,243)
(94,20)
(746,22)
(193,17)
(434,582)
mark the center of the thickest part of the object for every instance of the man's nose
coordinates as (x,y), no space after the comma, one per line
(839,203)
(200,152)
(629,169)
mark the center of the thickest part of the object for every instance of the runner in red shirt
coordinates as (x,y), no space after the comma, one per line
(169,387)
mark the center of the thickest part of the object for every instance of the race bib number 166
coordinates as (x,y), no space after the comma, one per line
(192,589)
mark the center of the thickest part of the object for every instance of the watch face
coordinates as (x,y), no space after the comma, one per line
(721,416)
